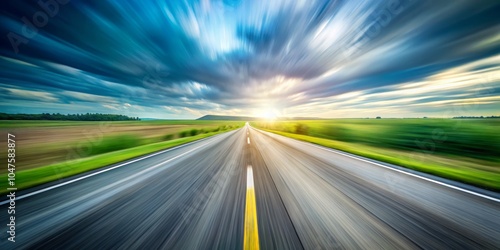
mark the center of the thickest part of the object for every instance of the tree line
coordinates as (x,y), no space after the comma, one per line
(68,117)
(475,117)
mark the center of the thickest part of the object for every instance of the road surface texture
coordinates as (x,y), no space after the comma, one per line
(203,195)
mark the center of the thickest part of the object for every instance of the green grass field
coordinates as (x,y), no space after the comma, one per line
(28,124)
(50,150)
(465,150)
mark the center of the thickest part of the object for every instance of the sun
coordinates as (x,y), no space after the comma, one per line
(269,114)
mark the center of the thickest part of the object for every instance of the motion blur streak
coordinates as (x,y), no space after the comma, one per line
(105,170)
(305,198)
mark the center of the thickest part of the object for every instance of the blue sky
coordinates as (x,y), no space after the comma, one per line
(184,59)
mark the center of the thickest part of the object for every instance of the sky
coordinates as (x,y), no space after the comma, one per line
(184,59)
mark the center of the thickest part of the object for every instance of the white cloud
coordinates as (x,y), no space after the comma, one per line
(32,95)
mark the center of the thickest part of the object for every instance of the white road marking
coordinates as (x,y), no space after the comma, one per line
(115,167)
(248,140)
(400,171)
(249,177)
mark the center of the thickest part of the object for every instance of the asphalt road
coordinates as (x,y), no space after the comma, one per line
(306,197)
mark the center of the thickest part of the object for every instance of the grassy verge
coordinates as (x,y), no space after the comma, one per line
(456,168)
(40,175)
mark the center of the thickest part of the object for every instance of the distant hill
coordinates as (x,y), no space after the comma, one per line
(249,118)
(227,118)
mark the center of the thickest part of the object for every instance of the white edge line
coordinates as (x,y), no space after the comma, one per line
(398,170)
(111,168)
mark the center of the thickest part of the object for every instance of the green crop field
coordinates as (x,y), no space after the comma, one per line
(41,143)
(466,150)
(42,147)
(26,123)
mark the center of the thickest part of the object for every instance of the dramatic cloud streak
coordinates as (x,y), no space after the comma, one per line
(183,59)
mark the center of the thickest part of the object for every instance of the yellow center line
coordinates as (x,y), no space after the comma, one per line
(251,235)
